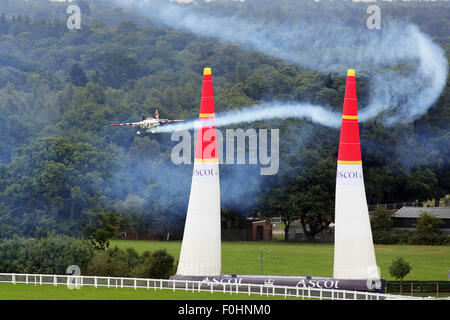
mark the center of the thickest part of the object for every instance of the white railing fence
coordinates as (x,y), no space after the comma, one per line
(73,281)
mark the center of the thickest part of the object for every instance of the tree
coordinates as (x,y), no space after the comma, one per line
(51,255)
(127,27)
(78,76)
(381,220)
(311,198)
(428,224)
(315,211)
(55,176)
(37,224)
(381,223)
(161,265)
(399,269)
(428,229)
(102,226)
(117,68)
(105,264)
(277,204)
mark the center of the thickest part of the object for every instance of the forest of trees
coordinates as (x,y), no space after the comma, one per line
(63,169)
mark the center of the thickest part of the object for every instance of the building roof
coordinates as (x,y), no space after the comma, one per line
(414,212)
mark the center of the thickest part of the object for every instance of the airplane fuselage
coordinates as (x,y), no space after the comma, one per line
(148,123)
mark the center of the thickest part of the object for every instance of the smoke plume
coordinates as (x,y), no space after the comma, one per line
(263,111)
(408,71)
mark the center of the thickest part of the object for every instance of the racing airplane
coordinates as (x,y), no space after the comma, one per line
(146,123)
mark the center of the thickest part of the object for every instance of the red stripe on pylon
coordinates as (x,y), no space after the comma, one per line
(206,147)
(349,142)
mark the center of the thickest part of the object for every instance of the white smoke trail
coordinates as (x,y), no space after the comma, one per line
(331,46)
(410,95)
(263,111)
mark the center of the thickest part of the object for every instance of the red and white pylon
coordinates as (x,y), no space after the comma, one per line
(201,247)
(354,254)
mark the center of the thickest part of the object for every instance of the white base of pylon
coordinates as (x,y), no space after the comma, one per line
(201,247)
(354,254)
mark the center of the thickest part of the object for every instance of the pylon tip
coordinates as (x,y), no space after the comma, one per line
(206,71)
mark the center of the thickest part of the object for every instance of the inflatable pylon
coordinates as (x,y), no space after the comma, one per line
(354,254)
(201,247)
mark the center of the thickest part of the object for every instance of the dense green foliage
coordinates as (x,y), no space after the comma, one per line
(63,169)
(128,262)
(51,255)
(54,254)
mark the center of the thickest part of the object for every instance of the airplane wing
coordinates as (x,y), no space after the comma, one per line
(134,124)
(168,121)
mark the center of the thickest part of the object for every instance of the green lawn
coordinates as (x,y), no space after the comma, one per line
(61,292)
(279,258)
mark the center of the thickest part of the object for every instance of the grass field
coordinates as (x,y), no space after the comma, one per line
(49,292)
(280,258)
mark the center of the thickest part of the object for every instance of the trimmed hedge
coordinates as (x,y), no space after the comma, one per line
(410,237)
(418,286)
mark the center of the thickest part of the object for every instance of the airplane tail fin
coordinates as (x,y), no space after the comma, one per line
(156,114)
